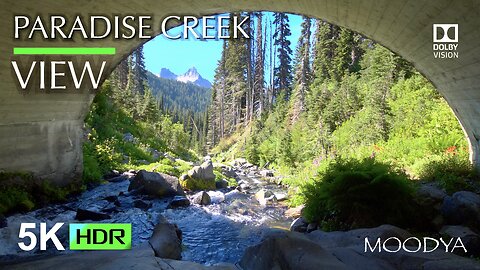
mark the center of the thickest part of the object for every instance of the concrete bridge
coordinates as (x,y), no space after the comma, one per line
(43,133)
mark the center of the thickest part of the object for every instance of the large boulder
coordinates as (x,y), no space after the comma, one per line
(462,208)
(288,251)
(199,177)
(156,184)
(470,239)
(350,238)
(166,240)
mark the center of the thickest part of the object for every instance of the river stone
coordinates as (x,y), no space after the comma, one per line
(299,225)
(357,236)
(179,201)
(202,198)
(166,240)
(294,212)
(289,250)
(156,184)
(470,239)
(221,183)
(462,208)
(266,173)
(85,214)
(141,204)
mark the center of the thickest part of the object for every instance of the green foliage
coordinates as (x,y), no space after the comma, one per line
(15,200)
(21,192)
(359,193)
(450,170)
(110,118)
(190,183)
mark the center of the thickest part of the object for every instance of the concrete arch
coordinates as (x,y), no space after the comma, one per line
(43,132)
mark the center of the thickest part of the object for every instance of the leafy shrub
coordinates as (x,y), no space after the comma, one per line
(359,193)
(449,170)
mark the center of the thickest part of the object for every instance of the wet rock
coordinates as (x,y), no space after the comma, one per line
(202,198)
(119,178)
(470,239)
(462,208)
(216,196)
(141,204)
(266,173)
(111,174)
(156,184)
(294,212)
(179,201)
(85,214)
(222,183)
(299,225)
(166,240)
(351,238)
(111,198)
(264,196)
(280,196)
(288,251)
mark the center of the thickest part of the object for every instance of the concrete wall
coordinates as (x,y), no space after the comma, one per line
(43,132)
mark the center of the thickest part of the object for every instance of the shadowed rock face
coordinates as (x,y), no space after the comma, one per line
(43,133)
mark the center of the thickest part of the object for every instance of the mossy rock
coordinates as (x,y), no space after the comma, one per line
(190,183)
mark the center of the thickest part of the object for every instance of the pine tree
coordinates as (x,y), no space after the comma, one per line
(302,70)
(259,71)
(283,71)
(140,71)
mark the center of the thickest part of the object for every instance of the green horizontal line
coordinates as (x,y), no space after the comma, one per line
(63,50)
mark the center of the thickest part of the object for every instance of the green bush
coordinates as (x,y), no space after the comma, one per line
(449,170)
(359,194)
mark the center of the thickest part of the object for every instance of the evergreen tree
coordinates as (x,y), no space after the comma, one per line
(302,70)
(283,71)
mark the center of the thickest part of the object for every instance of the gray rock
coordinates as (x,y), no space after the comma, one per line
(288,251)
(111,174)
(299,225)
(222,183)
(355,237)
(204,171)
(166,240)
(128,137)
(179,201)
(462,208)
(88,214)
(156,184)
(312,227)
(266,173)
(141,204)
(202,198)
(470,239)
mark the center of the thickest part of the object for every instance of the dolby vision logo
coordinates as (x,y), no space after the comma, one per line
(445,41)
(445,33)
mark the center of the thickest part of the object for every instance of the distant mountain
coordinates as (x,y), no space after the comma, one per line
(191,76)
(178,96)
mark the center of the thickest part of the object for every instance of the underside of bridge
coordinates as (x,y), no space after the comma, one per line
(43,133)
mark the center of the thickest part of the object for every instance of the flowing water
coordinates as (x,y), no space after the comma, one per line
(219,232)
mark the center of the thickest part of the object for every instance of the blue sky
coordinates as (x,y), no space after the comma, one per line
(181,54)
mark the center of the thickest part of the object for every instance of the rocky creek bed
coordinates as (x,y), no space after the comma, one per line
(241,227)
